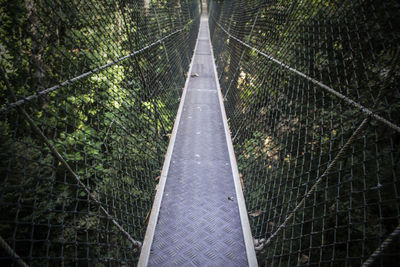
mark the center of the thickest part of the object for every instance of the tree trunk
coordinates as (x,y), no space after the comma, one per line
(37,50)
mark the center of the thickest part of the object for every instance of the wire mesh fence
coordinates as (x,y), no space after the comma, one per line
(311,90)
(89,92)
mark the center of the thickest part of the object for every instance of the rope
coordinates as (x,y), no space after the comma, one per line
(88,73)
(384,245)
(36,129)
(365,110)
(356,134)
(341,153)
(92,91)
(20,262)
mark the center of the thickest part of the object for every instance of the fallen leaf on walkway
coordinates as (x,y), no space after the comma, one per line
(255,213)
(195,75)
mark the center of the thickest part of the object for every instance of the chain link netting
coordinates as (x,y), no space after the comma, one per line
(89,91)
(311,90)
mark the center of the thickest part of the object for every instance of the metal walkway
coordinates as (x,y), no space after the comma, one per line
(199,217)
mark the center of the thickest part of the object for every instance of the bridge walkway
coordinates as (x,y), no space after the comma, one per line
(199,217)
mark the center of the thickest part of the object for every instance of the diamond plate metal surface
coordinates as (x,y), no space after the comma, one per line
(199,222)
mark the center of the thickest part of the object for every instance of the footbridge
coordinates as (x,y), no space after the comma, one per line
(199,133)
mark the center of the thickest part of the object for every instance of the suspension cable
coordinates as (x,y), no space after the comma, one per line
(365,110)
(90,72)
(135,243)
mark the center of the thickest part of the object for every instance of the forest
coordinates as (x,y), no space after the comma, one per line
(89,91)
(98,83)
(320,175)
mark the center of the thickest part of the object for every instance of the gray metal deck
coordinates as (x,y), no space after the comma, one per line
(199,217)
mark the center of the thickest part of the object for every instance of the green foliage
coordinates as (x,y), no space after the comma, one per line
(287,130)
(110,126)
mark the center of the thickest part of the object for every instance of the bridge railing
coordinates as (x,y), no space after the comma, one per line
(89,91)
(312,95)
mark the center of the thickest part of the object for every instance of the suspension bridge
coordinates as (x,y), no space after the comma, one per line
(205,133)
